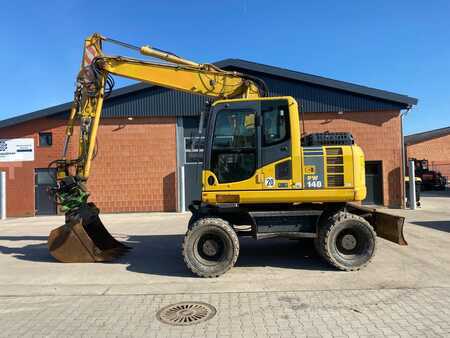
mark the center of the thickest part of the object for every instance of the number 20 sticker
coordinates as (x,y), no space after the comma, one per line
(269,182)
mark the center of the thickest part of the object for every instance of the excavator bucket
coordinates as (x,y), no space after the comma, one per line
(386,226)
(84,239)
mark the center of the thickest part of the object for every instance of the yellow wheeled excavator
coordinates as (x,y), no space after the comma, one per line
(262,177)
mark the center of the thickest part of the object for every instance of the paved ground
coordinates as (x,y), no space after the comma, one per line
(388,312)
(278,287)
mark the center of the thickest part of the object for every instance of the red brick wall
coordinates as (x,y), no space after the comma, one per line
(134,170)
(436,151)
(378,134)
(20,175)
(135,167)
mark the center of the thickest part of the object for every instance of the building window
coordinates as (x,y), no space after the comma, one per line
(45,139)
(193,149)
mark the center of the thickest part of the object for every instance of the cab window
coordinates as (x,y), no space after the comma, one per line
(234,145)
(275,123)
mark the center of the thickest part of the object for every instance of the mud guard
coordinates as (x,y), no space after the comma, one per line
(387,226)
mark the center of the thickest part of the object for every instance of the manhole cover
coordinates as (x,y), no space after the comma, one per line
(186,313)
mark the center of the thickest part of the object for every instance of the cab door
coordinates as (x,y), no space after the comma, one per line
(275,145)
(233,157)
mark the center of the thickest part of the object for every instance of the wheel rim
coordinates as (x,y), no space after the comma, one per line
(350,243)
(210,248)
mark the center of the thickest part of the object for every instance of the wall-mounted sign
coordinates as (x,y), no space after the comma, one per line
(17,150)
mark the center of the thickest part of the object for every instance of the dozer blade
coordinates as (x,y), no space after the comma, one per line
(386,226)
(84,239)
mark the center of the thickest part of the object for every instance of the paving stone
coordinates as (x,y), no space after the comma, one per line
(350,313)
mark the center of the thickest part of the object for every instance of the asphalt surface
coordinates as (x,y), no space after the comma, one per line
(403,292)
(155,264)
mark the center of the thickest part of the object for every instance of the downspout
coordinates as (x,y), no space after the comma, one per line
(179,134)
(403,150)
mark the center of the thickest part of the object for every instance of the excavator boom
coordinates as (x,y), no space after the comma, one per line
(94,82)
(84,238)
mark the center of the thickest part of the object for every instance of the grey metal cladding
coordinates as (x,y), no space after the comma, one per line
(313,93)
(319,99)
(426,135)
(154,101)
(317,80)
(157,101)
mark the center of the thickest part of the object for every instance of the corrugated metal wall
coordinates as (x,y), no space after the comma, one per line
(318,99)
(157,101)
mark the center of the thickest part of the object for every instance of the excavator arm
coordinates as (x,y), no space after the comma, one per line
(83,237)
(94,84)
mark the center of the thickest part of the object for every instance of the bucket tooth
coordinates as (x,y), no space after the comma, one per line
(84,239)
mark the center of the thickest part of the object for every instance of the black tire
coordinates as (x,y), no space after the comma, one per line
(327,213)
(318,247)
(210,247)
(194,218)
(347,241)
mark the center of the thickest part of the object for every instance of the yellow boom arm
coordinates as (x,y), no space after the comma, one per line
(174,72)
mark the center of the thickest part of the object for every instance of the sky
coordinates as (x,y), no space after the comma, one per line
(399,46)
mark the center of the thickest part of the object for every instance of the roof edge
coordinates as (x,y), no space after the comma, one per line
(243,64)
(320,80)
(66,106)
(426,135)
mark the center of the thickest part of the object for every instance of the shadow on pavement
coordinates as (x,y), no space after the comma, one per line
(435,193)
(281,253)
(30,252)
(438,225)
(161,254)
(156,255)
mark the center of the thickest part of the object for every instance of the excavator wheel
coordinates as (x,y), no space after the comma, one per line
(84,239)
(210,247)
(318,247)
(347,241)
(192,220)
(321,223)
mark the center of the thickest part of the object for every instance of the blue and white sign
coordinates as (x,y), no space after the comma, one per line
(17,150)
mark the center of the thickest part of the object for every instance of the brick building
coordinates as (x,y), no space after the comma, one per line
(146,131)
(432,145)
